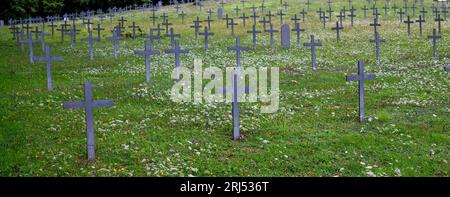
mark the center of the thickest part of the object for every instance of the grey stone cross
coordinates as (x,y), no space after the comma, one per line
(271,31)
(176,50)
(30,41)
(377,42)
(206,34)
(361,77)
(147,52)
(48,59)
(254,32)
(89,104)
(435,37)
(313,46)
(91,47)
(337,28)
(297,29)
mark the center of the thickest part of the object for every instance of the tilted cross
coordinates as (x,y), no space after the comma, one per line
(176,50)
(271,31)
(206,33)
(435,37)
(48,59)
(377,42)
(89,104)
(297,29)
(147,52)
(337,28)
(91,48)
(254,32)
(30,42)
(313,46)
(361,77)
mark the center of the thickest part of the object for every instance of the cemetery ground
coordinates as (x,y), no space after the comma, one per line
(315,132)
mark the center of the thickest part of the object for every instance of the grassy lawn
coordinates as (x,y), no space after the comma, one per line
(315,132)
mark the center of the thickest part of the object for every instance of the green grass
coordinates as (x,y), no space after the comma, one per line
(314,133)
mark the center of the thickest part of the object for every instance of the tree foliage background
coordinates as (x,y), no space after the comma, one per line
(15,9)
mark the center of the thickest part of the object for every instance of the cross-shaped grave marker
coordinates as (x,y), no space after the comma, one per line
(99,29)
(48,59)
(271,31)
(439,20)
(73,32)
(254,32)
(303,13)
(167,24)
(209,20)
(235,104)
(206,34)
(377,42)
(171,36)
(182,14)
(115,38)
(89,104)
(313,46)
(408,23)
(133,27)
(243,17)
(147,52)
(91,47)
(176,50)
(361,77)
(352,15)
(232,24)
(152,37)
(297,29)
(197,25)
(435,37)
(337,28)
(30,41)
(420,21)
